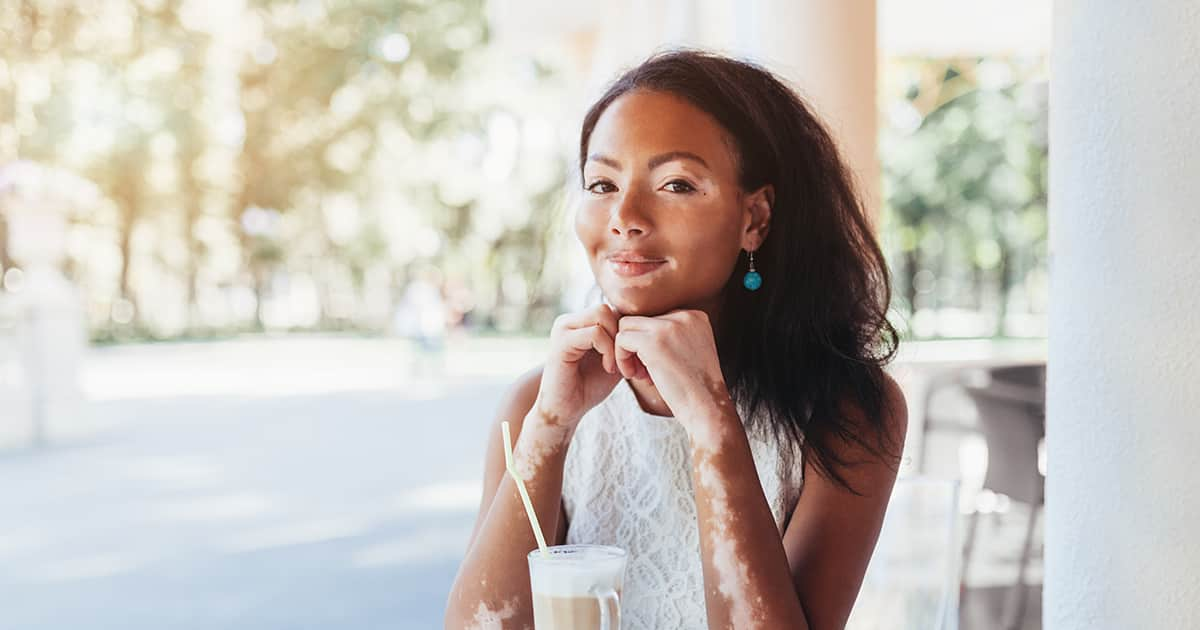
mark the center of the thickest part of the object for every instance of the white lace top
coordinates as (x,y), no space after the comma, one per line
(627,482)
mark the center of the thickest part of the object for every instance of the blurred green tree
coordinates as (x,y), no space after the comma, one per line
(249,144)
(964,159)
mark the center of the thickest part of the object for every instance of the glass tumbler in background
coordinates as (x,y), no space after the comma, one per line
(913,579)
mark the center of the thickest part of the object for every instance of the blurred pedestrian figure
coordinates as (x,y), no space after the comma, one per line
(421,318)
(49,321)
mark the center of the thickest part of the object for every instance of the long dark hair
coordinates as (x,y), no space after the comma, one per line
(815,337)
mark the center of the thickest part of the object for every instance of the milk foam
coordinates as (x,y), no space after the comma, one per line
(576,573)
(572,582)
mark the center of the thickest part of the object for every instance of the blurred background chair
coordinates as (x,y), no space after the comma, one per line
(912,581)
(942,412)
(1011,406)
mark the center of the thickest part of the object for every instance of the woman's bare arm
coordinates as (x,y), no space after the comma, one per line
(493,582)
(832,532)
(492,587)
(809,577)
(746,580)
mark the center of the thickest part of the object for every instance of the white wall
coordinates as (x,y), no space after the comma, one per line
(1123,496)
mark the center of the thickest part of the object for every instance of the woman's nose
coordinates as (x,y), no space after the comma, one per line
(627,218)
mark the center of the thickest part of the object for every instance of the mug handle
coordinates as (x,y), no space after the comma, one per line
(604,595)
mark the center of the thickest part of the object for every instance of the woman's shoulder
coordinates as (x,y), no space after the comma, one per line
(893,420)
(521,396)
(891,425)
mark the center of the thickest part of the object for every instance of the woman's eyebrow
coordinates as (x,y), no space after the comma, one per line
(654,162)
(671,156)
(604,159)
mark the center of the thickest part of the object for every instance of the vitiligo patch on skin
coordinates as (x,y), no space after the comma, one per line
(646,280)
(639,281)
(733,579)
(488,619)
(708,436)
(533,447)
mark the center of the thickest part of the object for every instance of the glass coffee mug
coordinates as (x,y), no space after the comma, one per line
(577,587)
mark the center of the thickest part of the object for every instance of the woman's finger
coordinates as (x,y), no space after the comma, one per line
(601,314)
(607,317)
(578,342)
(628,344)
(637,322)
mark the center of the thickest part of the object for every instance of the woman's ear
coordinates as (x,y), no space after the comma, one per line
(757,216)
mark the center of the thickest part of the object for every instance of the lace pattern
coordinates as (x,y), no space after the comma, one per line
(627,482)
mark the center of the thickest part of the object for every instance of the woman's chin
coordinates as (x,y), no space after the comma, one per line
(626,304)
(640,311)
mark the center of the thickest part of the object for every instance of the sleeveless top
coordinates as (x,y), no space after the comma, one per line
(627,482)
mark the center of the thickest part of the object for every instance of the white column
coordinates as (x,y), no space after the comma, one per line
(1123,494)
(828,51)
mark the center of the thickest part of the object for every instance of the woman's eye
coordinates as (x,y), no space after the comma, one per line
(679,186)
(600,187)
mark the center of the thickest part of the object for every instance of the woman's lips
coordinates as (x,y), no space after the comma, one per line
(630,269)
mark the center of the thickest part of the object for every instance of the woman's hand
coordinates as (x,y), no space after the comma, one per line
(677,352)
(581,369)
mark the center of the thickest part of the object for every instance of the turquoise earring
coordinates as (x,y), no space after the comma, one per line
(752,280)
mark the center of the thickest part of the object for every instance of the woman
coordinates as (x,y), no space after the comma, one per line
(738,356)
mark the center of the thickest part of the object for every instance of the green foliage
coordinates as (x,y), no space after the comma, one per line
(250,147)
(964,159)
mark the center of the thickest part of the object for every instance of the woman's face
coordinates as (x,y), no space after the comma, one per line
(663,216)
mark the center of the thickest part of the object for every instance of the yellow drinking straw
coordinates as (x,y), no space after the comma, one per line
(512,472)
